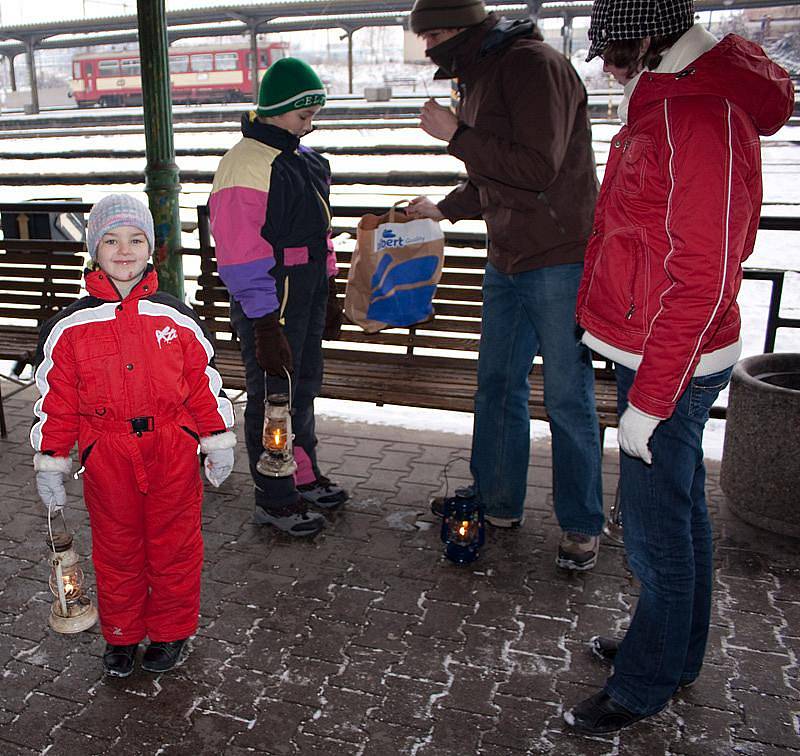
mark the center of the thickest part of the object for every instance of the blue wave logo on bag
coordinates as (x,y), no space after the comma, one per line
(397,296)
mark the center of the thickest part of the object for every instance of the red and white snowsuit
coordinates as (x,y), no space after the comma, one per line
(133,381)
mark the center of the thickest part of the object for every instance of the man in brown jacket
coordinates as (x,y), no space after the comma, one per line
(522,130)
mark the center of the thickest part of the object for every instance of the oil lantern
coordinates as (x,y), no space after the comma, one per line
(72,610)
(277,459)
(462,527)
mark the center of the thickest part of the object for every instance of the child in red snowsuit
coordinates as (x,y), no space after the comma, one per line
(127,372)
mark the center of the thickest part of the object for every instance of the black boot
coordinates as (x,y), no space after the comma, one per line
(118,660)
(161,656)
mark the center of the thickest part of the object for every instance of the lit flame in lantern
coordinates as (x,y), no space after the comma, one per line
(278,438)
(463,529)
(70,588)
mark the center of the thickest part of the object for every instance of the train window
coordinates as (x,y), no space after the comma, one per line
(130,67)
(76,70)
(202,62)
(263,61)
(226,61)
(278,53)
(108,68)
(178,63)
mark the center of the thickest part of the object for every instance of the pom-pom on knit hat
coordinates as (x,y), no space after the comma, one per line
(615,20)
(114,211)
(445,14)
(289,84)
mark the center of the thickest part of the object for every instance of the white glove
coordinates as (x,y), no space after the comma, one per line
(218,466)
(219,456)
(634,432)
(50,485)
(50,472)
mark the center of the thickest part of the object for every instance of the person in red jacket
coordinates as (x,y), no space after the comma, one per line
(128,372)
(676,217)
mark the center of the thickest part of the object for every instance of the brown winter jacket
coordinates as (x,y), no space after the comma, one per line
(525,138)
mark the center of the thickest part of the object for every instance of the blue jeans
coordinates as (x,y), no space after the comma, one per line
(668,544)
(525,314)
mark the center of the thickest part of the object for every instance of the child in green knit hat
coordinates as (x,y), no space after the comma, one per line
(290,95)
(270,216)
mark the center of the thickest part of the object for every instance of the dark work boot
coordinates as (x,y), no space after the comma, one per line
(118,660)
(162,656)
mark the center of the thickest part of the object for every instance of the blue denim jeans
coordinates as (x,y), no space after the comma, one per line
(668,544)
(525,314)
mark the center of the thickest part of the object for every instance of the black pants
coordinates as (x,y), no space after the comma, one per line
(304,316)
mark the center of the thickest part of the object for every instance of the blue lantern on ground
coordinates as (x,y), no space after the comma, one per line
(462,527)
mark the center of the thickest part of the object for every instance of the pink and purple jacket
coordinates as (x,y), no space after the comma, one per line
(269,205)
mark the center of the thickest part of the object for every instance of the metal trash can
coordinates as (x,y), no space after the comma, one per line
(760,472)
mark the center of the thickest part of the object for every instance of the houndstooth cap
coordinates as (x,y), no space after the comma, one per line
(614,20)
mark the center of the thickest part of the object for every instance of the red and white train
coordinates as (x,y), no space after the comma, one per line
(198,74)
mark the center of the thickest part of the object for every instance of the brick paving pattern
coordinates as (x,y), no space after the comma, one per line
(367,641)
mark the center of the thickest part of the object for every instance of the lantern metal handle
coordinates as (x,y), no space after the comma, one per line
(62,596)
(289,381)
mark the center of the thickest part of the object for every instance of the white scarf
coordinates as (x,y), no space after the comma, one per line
(695,42)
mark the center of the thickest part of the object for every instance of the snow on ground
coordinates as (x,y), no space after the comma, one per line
(774,249)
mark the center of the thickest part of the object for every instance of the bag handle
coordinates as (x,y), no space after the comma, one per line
(394,208)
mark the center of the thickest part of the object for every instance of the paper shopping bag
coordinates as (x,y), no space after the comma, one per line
(396,265)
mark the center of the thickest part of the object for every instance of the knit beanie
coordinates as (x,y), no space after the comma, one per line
(289,84)
(616,20)
(445,14)
(117,210)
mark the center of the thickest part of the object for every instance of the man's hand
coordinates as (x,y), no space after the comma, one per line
(438,121)
(422,207)
(634,432)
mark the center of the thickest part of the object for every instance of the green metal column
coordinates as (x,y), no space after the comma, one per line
(161,173)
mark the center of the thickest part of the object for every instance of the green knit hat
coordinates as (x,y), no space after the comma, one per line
(289,84)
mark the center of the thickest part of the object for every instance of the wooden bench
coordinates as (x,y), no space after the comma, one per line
(432,365)
(38,278)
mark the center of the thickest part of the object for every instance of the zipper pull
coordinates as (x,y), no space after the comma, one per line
(629,314)
(79,472)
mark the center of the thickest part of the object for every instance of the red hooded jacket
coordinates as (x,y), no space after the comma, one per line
(678,213)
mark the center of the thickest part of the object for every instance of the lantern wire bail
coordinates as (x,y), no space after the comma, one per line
(62,599)
(289,380)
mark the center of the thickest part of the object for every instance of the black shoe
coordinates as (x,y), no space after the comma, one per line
(323,493)
(604,649)
(118,660)
(599,714)
(162,656)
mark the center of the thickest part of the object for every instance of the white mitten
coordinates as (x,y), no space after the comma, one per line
(219,456)
(50,472)
(634,432)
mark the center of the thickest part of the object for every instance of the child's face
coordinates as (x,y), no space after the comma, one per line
(297,122)
(123,254)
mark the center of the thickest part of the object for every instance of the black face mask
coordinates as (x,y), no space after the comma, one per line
(443,55)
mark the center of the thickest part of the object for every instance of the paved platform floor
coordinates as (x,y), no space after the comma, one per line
(366,641)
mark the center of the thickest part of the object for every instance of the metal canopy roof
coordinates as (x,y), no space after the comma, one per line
(334,13)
